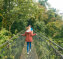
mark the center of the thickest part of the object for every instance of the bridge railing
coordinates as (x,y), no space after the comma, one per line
(48,49)
(12,49)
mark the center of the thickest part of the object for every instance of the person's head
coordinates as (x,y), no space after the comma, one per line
(27,28)
(29,25)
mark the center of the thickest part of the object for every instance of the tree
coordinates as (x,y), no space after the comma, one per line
(43,3)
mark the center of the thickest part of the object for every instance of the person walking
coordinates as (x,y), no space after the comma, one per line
(28,38)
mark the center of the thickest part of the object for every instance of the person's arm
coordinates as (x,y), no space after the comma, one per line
(23,34)
(32,31)
(33,34)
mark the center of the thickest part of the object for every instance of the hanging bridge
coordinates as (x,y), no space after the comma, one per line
(42,48)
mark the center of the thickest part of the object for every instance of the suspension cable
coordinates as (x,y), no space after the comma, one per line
(9,40)
(58,53)
(51,41)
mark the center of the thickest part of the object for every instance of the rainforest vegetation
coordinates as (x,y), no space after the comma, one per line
(16,15)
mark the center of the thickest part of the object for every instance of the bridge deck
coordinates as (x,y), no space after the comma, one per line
(32,54)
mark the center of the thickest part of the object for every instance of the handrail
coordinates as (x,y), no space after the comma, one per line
(51,41)
(13,48)
(9,40)
(58,53)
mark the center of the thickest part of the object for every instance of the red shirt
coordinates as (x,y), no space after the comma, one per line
(28,36)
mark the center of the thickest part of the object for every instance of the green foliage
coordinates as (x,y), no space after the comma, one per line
(40,26)
(43,2)
(61,31)
(15,15)
(4,35)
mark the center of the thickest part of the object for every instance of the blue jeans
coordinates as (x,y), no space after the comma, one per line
(28,46)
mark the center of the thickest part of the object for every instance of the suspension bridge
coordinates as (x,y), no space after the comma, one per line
(42,48)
